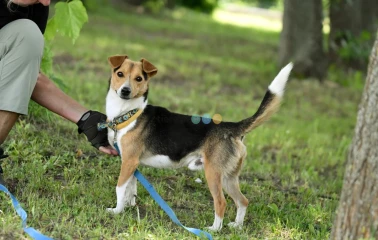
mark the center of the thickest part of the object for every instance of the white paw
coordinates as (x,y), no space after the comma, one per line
(114,210)
(235,225)
(130,202)
(214,229)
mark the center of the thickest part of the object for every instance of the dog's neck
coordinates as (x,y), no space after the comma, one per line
(116,106)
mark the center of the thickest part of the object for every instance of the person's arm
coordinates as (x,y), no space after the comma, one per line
(48,95)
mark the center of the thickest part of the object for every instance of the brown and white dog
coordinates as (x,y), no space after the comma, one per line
(162,139)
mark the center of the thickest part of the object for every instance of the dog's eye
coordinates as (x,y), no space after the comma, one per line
(139,79)
(120,74)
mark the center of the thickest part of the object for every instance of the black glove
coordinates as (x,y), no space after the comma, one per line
(88,125)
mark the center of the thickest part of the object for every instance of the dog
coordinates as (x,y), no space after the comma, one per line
(153,136)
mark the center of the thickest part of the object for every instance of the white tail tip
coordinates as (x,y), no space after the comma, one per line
(277,87)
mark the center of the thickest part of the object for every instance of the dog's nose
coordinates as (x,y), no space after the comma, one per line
(125,91)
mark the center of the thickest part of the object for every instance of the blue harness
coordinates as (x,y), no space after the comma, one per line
(34,234)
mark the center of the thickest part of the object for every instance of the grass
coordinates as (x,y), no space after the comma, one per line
(293,173)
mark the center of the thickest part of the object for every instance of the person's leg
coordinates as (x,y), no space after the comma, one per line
(7,120)
(21,49)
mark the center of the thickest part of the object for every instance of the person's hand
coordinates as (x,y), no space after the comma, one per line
(108,150)
(98,138)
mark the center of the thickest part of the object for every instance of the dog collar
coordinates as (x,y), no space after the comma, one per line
(122,121)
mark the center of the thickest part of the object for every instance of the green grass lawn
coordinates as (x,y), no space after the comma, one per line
(293,173)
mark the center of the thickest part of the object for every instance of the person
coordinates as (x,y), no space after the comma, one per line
(22,24)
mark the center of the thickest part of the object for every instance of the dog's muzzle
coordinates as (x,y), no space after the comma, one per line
(125,93)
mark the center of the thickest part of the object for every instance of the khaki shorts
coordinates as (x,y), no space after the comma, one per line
(21,50)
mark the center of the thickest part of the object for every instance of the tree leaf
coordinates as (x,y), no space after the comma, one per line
(46,63)
(69,18)
(51,30)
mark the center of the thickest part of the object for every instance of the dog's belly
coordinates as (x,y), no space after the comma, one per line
(193,161)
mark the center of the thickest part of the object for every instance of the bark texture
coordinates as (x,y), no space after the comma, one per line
(357,214)
(302,38)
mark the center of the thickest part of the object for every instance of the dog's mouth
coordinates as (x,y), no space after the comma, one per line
(125,97)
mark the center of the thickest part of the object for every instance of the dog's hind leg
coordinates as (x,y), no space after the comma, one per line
(231,186)
(214,181)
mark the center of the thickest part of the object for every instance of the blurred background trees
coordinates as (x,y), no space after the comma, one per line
(302,37)
(352,28)
(206,6)
(316,34)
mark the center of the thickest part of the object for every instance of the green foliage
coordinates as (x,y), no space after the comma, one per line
(206,6)
(154,6)
(262,3)
(95,5)
(347,78)
(68,20)
(355,50)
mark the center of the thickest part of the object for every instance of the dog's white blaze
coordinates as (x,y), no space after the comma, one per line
(278,85)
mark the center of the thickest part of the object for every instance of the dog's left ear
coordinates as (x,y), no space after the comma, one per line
(116,61)
(150,69)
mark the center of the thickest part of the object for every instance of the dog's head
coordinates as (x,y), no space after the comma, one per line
(130,79)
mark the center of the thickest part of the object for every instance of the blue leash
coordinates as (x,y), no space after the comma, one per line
(151,190)
(21,212)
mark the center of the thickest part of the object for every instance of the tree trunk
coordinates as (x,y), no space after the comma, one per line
(357,215)
(353,24)
(302,38)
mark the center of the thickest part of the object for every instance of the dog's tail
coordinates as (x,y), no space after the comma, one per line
(271,102)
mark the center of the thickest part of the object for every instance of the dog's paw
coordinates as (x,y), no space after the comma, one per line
(114,210)
(214,229)
(235,225)
(130,202)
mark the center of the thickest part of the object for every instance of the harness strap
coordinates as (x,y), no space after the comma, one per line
(34,234)
(163,205)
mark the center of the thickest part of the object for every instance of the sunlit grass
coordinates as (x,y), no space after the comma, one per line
(247,20)
(258,21)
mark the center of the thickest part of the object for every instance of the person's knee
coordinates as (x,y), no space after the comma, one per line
(29,38)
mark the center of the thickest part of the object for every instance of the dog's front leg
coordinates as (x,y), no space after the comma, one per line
(127,185)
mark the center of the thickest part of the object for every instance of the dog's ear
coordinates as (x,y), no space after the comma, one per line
(116,61)
(150,69)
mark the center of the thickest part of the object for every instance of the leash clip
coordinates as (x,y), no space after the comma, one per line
(115,135)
